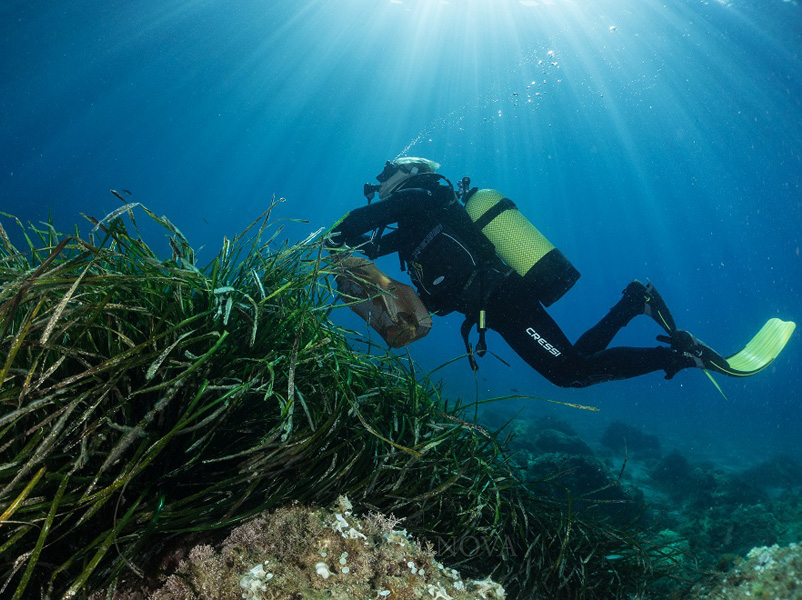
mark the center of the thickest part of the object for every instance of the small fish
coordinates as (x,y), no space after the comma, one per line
(514,391)
(119,195)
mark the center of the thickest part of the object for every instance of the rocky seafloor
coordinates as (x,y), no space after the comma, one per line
(302,553)
(740,529)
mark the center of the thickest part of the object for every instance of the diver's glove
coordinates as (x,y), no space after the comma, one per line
(333,240)
(335,245)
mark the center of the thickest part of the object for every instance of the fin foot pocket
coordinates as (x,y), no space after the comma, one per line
(694,351)
(646,300)
(656,308)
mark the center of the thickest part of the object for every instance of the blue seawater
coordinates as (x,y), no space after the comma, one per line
(646,139)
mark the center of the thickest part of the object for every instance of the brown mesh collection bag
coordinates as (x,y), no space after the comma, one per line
(392,308)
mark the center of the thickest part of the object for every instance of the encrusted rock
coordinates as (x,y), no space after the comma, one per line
(773,572)
(307,554)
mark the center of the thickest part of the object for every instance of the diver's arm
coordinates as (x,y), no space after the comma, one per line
(353,228)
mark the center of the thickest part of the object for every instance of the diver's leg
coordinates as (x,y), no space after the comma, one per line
(599,336)
(534,336)
(637,299)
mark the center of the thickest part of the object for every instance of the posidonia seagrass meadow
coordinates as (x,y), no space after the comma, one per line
(145,398)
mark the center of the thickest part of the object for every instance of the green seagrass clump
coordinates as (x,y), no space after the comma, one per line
(146,400)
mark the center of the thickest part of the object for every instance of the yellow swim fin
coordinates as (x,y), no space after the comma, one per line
(753,358)
(761,350)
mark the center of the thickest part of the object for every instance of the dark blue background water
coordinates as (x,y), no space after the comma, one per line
(645,139)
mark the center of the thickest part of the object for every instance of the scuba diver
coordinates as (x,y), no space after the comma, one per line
(473,252)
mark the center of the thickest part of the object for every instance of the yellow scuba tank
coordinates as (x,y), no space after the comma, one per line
(521,245)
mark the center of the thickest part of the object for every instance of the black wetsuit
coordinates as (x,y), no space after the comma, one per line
(454,266)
